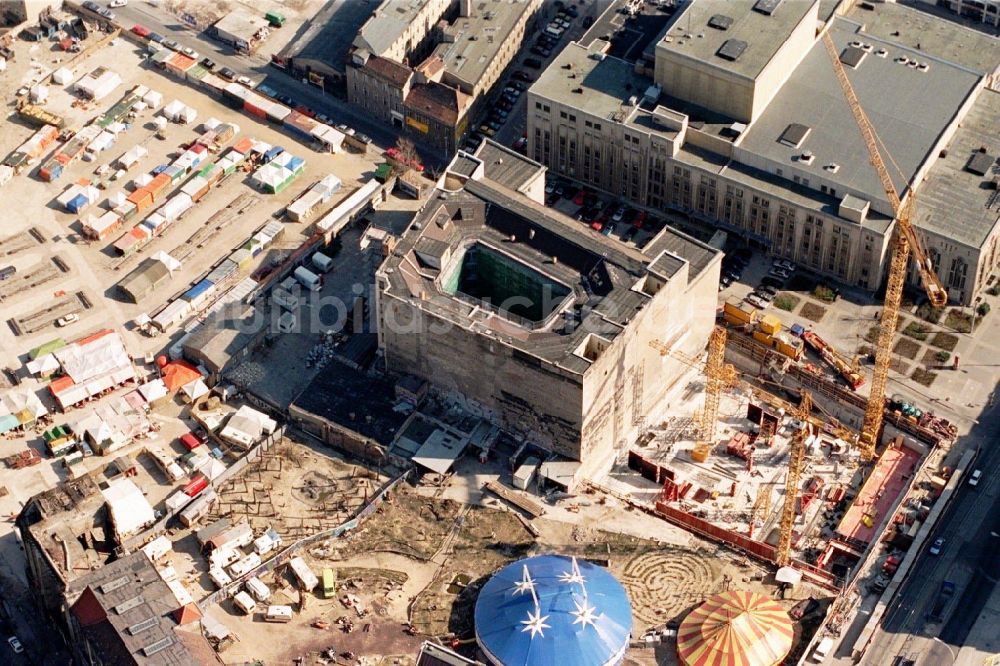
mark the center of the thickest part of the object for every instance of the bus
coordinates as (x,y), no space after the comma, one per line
(329,583)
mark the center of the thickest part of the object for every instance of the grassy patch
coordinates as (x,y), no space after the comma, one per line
(907,348)
(813,312)
(824,293)
(945,341)
(959,321)
(898,365)
(934,357)
(917,331)
(787,302)
(928,312)
(872,334)
(924,377)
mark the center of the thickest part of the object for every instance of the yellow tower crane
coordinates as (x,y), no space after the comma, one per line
(718,374)
(906,241)
(796,458)
(761,506)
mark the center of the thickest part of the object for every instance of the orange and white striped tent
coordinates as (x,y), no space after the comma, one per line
(735,629)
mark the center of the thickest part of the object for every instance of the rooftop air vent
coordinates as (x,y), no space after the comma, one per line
(912,64)
(902,60)
(806,157)
(720,22)
(856,44)
(832,167)
(578,91)
(766,7)
(794,135)
(732,49)
(923,67)
(852,56)
(882,53)
(979,163)
(867,48)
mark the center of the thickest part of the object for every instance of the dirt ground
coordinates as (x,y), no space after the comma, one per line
(297,490)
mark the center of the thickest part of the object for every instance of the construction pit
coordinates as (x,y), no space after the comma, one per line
(412,572)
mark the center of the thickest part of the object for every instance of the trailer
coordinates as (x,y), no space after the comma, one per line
(321,262)
(303,574)
(278,614)
(307,278)
(245,603)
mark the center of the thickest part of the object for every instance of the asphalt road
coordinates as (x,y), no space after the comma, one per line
(969,559)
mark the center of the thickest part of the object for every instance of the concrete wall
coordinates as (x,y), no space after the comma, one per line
(524,393)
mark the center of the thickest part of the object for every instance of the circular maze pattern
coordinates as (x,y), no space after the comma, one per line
(666,582)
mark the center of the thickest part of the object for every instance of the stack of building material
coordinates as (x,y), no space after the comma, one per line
(99,228)
(62,76)
(78,196)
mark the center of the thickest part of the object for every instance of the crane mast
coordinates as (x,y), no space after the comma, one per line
(796,458)
(906,241)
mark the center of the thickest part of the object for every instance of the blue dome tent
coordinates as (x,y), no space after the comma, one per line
(552,609)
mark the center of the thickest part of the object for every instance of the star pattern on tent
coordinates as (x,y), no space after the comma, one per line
(572,577)
(525,584)
(535,623)
(584,614)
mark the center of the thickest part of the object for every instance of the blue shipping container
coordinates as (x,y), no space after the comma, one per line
(295,164)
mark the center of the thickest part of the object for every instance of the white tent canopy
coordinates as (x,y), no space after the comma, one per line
(194,390)
(129,509)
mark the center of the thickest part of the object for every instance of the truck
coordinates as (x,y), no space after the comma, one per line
(947,591)
(245,602)
(321,262)
(329,583)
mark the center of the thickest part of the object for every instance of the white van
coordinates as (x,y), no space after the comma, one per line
(258,589)
(245,602)
(278,614)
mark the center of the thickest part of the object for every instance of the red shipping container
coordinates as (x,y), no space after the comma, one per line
(196,485)
(254,111)
(189,441)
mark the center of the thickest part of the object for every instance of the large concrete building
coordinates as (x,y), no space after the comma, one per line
(550,328)
(424,66)
(744,125)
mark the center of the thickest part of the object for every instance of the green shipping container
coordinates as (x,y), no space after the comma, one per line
(276,19)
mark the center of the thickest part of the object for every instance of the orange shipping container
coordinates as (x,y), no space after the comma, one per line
(158,185)
(243,145)
(142,198)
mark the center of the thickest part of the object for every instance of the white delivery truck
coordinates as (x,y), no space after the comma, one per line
(245,602)
(307,278)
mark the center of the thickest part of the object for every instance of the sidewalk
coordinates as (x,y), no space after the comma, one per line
(982,646)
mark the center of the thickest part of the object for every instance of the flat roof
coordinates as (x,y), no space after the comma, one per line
(954,202)
(629,36)
(506,166)
(605,83)
(910,108)
(691,35)
(601,274)
(934,35)
(327,36)
(478,38)
(241,23)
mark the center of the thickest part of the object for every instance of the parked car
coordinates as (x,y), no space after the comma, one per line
(764,296)
(171,44)
(937,546)
(772,282)
(756,302)
(579,198)
(117,3)
(608,228)
(155,37)
(619,213)
(92,6)
(227,74)
(785,265)
(499,113)
(629,234)
(521,144)
(533,63)
(734,275)
(190,52)
(724,281)
(588,21)
(639,220)
(208,63)
(363,138)
(974,478)
(487,130)
(521,75)
(286,100)
(767,289)
(245,80)
(778,273)
(15,645)
(517,85)
(66,320)
(572,11)
(541,51)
